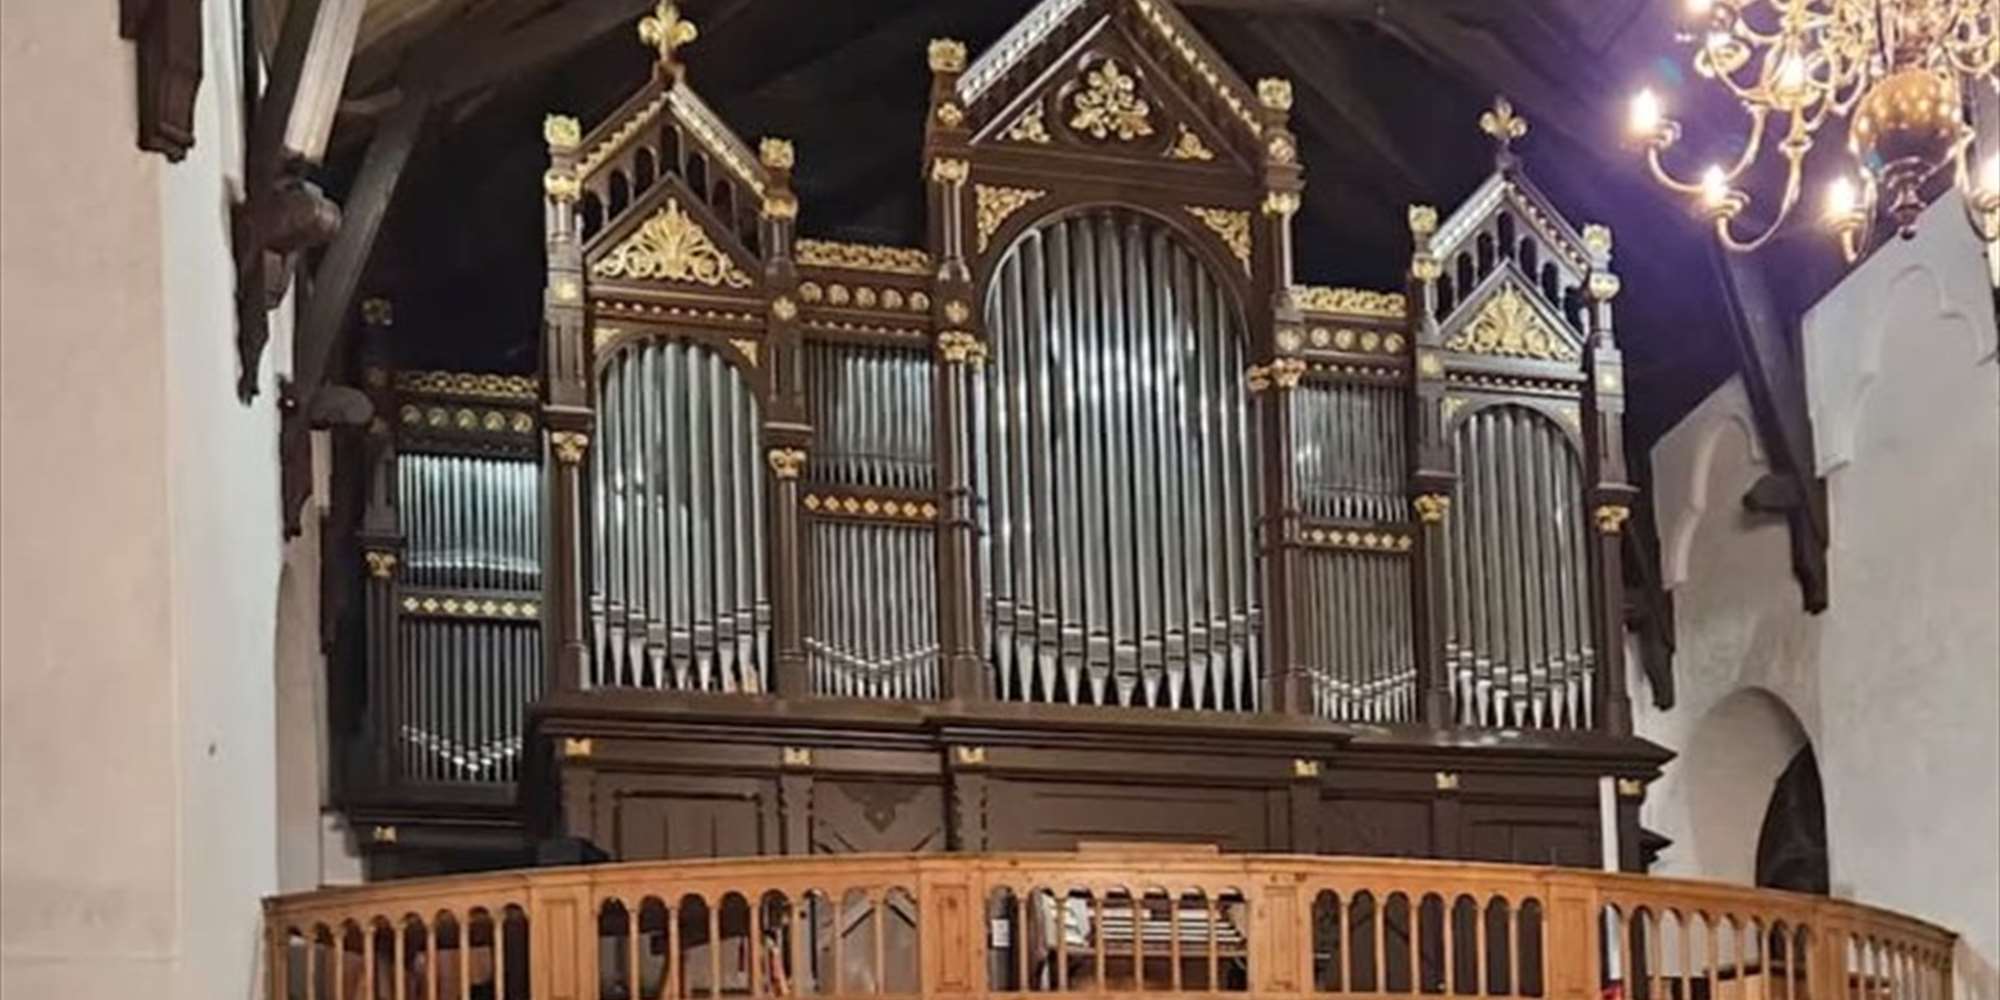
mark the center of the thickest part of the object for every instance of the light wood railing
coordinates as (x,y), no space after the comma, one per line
(1110,921)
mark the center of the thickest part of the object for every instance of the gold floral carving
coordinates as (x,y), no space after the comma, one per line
(889,508)
(786,463)
(1631,788)
(950,115)
(746,347)
(569,446)
(1349,301)
(561,132)
(959,347)
(1611,517)
(1345,338)
(480,384)
(784,308)
(1604,286)
(946,55)
(1232,225)
(1109,105)
(612,143)
(1284,373)
(1430,507)
(1275,92)
(862,257)
(381,563)
(1188,146)
(1282,149)
(671,246)
(776,153)
(666,30)
(1502,123)
(1029,127)
(996,203)
(950,170)
(1508,326)
(969,756)
(957,311)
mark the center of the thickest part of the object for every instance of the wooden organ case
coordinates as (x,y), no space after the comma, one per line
(1084,521)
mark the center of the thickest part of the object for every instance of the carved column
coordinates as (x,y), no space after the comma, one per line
(566,411)
(786,432)
(960,352)
(1611,492)
(1432,473)
(1275,336)
(381,541)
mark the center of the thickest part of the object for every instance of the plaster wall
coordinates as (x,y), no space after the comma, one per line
(142,647)
(1897,684)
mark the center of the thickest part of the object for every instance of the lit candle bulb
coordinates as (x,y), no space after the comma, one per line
(1699,8)
(1791,80)
(1841,199)
(1714,187)
(1645,112)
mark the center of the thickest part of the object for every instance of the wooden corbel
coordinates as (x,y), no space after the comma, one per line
(168,36)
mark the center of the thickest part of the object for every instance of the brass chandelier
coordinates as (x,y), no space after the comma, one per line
(1909,77)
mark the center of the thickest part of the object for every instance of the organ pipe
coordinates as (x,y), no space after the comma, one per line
(1117,468)
(677,596)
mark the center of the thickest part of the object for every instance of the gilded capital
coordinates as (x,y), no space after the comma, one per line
(775,153)
(569,446)
(781,205)
(1283,203)
(1275,92)
(947,55)
(1423,221)
(561,185)
(1597,238)
(561,132)
(1604,286)
(945,169)
(959,347)
(1431,507)
(381,563)
(786,463)
(1611,517)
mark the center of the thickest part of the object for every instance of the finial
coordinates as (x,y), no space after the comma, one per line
(1275,92)
(561,132)
(775,153)
(947,55)
(1503,125)
(666,31)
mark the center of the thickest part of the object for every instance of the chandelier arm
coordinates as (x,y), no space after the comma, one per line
(1794,182)
(1982,208)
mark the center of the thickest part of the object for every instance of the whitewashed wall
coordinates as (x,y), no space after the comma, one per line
(142,642)
(1897,685)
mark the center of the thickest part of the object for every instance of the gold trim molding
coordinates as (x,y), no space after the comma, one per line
(449,606)
(862,257)
(887,508)
(1358,539)
(1349,301)
(995,204)
(473,384)
(671,246)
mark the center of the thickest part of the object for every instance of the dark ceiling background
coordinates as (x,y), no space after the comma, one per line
(1387,94)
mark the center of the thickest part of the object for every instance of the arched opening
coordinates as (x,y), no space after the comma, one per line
(1738,770)
(1791,846)
(1117,459)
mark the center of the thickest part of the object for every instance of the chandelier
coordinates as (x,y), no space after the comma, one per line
(1908,77)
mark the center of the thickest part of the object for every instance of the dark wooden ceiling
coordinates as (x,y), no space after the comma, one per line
(1387,96)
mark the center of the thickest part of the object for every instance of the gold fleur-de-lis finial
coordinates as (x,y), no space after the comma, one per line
(1502,123)
(666,31)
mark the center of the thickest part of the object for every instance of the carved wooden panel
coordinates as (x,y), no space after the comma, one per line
(1531,834)
(1384,827)
(850,817)
(1036,816)
(642,817)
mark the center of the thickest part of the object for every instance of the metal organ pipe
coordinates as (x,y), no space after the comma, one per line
(1116,461)
(871,628)
(678,597)
(1518,640)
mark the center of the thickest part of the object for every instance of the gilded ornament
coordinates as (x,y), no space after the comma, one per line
(948,170)
(1425,267)
(1281,203)
(959,347)
(1188,146)
(784,308)
(383,834)
(1423,221)
(776,153)
(1231,225)
(864,297)
(377,311)
(1349,301)
(892,298)
(1343,339)
(957,311)
(1430,507)
(381,563)
(569,446)
(1030,127)
(969,756)
(1502,123)
(995,204)
(612,143)
(1597,238)
(1303,768)
(786,463)
(1289,339)
(1507,325)
(920,302)
(561,132)
(1604,286)
(561,185)
(1282,150)
(1275,92)
(712,133)
(1447,781)
(810,290)
(671,246)
(861,257)
(565,289)
(1607,381)
(1611,517)
(576,746)
(797,757)
(666,30)
(950,115)
(1109,105)
(1631,788)
(837,295)
(782,205)
(946,55)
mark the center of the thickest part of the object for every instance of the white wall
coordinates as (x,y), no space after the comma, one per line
(139,597)
(1897,685)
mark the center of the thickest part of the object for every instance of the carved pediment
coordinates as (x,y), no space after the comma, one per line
(1513,323)
(670,245)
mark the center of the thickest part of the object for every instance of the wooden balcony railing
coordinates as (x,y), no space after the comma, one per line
(1111,921)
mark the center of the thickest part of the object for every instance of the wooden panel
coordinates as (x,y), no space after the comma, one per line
(876,816)
(1384,827)
(1052,815)
(644,817)
(1560,835)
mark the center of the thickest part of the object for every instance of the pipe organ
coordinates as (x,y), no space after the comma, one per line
(1091,456)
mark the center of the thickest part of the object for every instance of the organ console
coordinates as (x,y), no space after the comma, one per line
(1085,519)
